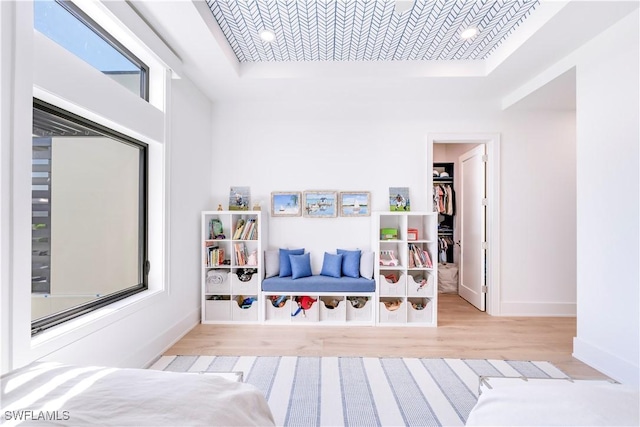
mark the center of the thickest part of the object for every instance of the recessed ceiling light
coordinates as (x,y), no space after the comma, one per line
(469,32)
(267,35)
(402,6)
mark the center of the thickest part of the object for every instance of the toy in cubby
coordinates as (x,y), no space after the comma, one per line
(244,308)
(332,309)
(388,258)
(392,282)
(420,284)
(419,310)
(305,309)
(392,310)
(304,303)
(245,281)
(359,309)
(278,308)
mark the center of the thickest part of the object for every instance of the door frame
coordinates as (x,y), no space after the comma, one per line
(492,145)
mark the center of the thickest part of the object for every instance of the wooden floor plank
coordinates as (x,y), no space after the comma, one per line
(462,332)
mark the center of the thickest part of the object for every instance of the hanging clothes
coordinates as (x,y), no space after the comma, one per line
(444,199)
(444,243)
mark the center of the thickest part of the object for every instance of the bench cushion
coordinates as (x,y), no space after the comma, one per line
(318,284)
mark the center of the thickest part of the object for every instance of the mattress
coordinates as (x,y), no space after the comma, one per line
(46,393)
(554,402)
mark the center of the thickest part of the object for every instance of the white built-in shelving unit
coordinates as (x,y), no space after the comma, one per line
(231,246)
(406,268)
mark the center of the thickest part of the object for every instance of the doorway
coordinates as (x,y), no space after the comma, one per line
(471,166)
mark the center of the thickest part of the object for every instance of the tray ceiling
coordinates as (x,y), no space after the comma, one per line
(367,30)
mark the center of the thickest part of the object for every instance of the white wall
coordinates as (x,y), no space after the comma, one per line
(538,213)
(607,198)
(346,146)
(134,331)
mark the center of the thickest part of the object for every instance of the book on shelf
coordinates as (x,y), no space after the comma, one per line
(419,257)
(250,230)
(241,253)
(239,229)
(214,256)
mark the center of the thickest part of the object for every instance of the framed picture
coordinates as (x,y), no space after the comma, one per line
(320,204)
(399,199)
(355,203)
(286,203)
(239,198)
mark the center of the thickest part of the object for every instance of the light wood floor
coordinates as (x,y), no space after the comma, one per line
(462,332)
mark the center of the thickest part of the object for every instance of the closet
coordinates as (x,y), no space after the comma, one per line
(444,203)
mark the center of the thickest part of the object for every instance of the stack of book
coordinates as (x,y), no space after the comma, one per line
(241,253)
(418,257)
(214,256)
(246,230)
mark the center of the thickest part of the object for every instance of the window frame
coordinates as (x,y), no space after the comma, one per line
(81,16)
(55,319)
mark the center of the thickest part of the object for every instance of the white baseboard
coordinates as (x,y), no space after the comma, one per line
(148,353)
(609,364)
(538,309)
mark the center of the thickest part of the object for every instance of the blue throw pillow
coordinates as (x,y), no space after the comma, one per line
(300,265)
(350,262)
(285,263)
(332,265)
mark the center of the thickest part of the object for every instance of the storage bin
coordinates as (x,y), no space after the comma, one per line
(217,310)
(363,313)
(244,314)
(217,281)
(417,289)
(335,314)
(424,315)
(399,315)
(387,287)
(252,287)
(310,315)
(278,314)
(412,234)
(448,278)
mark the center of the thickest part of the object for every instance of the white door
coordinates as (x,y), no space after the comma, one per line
(472,226)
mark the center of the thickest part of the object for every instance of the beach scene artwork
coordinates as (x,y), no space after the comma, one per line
(320,204)
(355,203)
(285,204)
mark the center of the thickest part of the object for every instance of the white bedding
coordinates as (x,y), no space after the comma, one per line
(75,395)
(543,402)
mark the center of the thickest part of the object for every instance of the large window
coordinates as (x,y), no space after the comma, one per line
(89,216)
(64,23)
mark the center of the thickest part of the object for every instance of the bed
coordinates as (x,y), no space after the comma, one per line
(91,395)
(554,402)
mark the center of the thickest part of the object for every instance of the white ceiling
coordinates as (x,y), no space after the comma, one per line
(367,30)
(551,31)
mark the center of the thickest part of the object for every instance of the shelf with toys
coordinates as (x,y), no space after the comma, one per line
(231,272)
(319,308)
(406,268)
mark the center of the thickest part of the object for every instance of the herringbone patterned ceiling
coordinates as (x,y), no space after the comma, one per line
(367,30)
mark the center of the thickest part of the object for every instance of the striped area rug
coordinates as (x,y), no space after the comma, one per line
(361,391)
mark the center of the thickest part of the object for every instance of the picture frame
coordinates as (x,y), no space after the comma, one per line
(320,204)
(286,203)
(355,203)
(239,198)
(399,200)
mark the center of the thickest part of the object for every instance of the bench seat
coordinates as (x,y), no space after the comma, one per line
(318,283)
